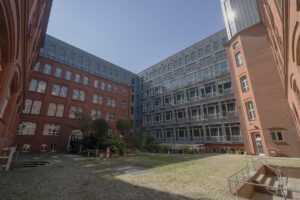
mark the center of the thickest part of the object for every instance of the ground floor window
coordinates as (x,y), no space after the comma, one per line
(169,133)
(26,148)
(44,147)
(276,136)
(53,147)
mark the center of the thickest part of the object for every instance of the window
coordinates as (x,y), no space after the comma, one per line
(78,95)
(37,67)
(26,128)
(239,59)
(52,48)
(236,45)
(32,107)
(96,83)
(80,60)
(55,110)
(26,148)
(37,86)
(244,84)
(187,59)
(97,99)
(68,75)
(108,102)
(102,86)
(71,57)
(109,87)
(58,90)
(113,103)
(47,69)
(53,147)
(58,72)
(276,136)
(123,105)
(193,56)
(208,49)
(298,5)
(124,92)
(200,53)
(77,78)
(85,80)
(110,117)
(96,114)
(74,110)
(180,61)
(44,147)
(110,133)
(216,45)
(251,112)
(52,129)
(116,89)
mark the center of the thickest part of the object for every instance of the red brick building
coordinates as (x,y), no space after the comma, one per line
(23,26)
(258,76)
(281,19)
(57,90)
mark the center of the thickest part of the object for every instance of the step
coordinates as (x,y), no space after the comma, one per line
(296,195)
(260,178)
(268,180)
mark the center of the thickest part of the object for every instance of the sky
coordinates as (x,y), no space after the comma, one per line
(134,34)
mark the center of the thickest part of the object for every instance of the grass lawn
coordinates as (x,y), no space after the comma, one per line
(171,177)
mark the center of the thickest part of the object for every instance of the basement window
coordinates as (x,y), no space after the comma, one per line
(276,136)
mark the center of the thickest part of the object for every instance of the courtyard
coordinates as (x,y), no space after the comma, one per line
(143,176)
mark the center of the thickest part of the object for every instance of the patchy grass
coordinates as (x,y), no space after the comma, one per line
(172,177)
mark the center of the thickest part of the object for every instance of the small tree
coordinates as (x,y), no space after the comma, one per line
(124,126)
(100,129)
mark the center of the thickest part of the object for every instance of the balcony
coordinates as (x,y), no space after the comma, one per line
(181,120)
(158,107)
(157,123)
(147,109)
(213,116)
(195,98)
(215,138)
(168,105)
(228,91)
(234,139)
(211,95)
(196,118)
(180,102)
(167,122)
(147,124)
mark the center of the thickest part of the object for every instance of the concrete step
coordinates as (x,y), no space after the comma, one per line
(260,178)
(296,195)
(268,180)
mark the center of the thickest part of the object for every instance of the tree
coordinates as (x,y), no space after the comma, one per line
(83,123)
(100,129)
(124,126)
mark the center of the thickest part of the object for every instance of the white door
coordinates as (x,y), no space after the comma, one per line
(259,145)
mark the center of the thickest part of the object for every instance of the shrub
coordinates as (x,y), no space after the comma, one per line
(115,144)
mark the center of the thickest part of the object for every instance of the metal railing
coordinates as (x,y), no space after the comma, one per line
(239,177)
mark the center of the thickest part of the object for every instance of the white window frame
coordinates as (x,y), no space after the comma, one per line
(26,128)
(47,69)
(58,72)
(276,133)
(251,110)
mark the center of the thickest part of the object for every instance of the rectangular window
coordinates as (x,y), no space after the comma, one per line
(96,83)
(80,60)
(180,61)
(124,92)
(236,45)
(47,69)
(55,110)
(244,84)
(52,48)
(82,95)
(113,103)
(207,49)
(37,67)
(251,112)
(77,78)
(116,89)
(26,128)
(53,147)
(97,99)
(123,105)
(74,110)
(216,45)
(85,80)
(26,148)
(239,59)
(37,86)
(200,53)
(58,72)
(102,86)
(110,117)
(44,148)
(187,59)
(33,107)
(109,87)
(52,129)
(193,56)
(276,136)
(68,75)
(58,90)
(96,114)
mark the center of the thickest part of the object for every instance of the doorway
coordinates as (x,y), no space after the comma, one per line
(259,146)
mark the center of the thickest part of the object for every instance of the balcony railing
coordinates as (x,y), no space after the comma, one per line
(147,124)
(157,123)
(195,98)
(233,113)
(211,95)
(168,122)
(181,120)
(196,118)
(157,107)
(168,105)
(230,138)
(180,101)
(215,138)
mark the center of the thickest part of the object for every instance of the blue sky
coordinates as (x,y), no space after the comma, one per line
(134,34)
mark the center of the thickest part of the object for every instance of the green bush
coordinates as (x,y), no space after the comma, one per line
(115,144)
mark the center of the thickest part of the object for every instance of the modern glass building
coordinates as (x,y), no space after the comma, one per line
(188,97)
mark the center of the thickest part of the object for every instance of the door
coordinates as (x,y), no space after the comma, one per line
(259,146)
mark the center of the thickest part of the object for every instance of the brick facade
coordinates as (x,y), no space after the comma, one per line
(61,140)
(23,26)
